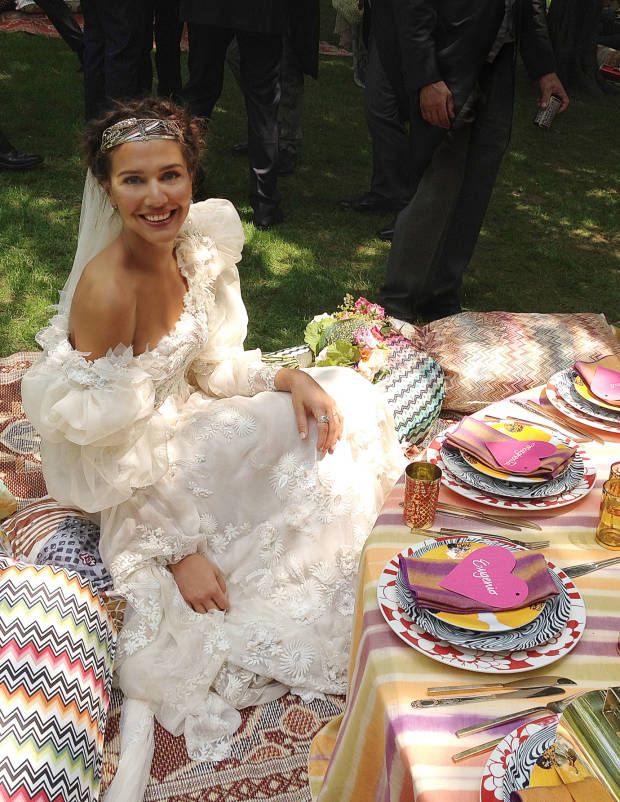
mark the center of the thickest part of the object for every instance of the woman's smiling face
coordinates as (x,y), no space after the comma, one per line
(151,187)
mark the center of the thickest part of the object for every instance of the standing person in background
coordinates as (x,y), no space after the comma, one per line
(160,18)
(390,183)
(453,67)
(258,26)
(111,53)
(300,56)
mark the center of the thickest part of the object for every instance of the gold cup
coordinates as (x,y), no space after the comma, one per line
(614,477)
(422,480)
(608,529)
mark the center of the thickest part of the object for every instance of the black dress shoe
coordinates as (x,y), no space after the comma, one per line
(265,216)
(371,202)
(240,149)
(386,233)
(14,160)
(287,161)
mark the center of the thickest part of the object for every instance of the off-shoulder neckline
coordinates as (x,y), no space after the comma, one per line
(182,267)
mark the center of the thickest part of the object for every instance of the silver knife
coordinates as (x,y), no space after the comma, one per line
(526,693)
(515,684)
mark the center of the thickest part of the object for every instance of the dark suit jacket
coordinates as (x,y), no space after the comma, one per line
(256,16)
(423,41)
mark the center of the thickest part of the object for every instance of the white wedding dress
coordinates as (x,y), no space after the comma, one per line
(180,450)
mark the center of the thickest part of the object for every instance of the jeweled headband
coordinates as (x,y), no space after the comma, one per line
(139,130)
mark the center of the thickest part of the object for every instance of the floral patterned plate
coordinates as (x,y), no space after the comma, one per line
(499,662)
(577,413)
(458,466)
(514,629)
(489,499)
(511,762)
(564,382)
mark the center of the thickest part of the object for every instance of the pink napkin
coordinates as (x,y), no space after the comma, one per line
(602,378)
(424,578)
(504,453)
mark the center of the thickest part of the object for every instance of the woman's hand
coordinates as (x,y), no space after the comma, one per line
(309,398)
(201,583)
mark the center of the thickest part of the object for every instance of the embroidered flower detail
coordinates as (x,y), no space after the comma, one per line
(271,543)
(199,492)
(262,643)
(296,658)
(222,539)
(208,523)
(227,423)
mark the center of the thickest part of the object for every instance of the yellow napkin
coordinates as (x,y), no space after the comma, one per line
(590,790)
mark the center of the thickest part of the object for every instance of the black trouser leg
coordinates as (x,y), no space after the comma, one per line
(64,22)
(391,172)
(94,59)
(145,36)
(260,56)
(421,226)
(121,21)
(168,32)
(490,137)
(207,55)
(290,110)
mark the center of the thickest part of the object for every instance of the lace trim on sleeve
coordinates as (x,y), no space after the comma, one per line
(263,378)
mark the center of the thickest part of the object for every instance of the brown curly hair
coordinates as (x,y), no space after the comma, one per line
(192,130)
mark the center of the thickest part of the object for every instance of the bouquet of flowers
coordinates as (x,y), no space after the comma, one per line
(354,336)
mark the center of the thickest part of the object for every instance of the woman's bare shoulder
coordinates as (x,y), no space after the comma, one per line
(103,310)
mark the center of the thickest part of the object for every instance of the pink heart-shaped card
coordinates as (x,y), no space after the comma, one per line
(606,384)
(486,576)
(520,456)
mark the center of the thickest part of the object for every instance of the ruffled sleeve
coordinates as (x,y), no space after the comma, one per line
(101,437)
(223,368)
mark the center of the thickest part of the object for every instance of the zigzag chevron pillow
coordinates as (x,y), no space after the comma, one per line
(56,654)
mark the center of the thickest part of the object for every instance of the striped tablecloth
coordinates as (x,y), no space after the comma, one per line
(380,748)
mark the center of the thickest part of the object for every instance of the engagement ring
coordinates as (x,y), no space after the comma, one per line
(323,419)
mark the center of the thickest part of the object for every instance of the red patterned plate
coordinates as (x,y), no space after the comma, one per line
(503,502)
(565,408)
(492,783)
(504,662)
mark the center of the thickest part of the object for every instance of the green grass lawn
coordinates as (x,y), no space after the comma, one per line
(550,241)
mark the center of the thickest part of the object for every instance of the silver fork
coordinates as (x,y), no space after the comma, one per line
(526,544)
(574,571)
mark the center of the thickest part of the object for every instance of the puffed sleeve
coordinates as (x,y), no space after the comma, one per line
(101,437)
(223,368)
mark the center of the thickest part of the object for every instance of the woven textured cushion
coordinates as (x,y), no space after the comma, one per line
(487,356)
(414,386)
(56,654)
(46,533)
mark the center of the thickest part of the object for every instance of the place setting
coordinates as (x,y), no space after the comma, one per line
(587,393)
(481,604)
(508,463)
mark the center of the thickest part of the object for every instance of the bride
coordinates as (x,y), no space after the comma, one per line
(234,496)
